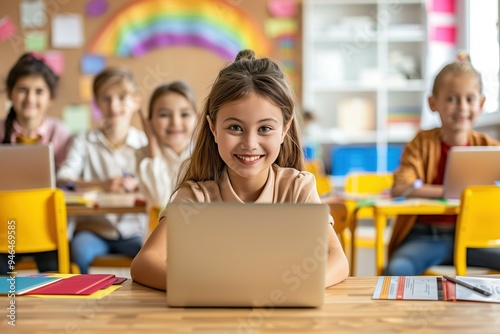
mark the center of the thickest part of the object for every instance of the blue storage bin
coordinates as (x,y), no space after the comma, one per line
(347,159)
(310,152)
(394,157)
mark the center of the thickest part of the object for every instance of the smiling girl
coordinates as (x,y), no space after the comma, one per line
(169,126)
(31,87)
(247,150)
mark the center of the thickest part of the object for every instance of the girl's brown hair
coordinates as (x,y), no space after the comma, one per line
(461,66)
(244,76)
(177,87)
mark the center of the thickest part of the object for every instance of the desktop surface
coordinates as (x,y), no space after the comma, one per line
(348,308)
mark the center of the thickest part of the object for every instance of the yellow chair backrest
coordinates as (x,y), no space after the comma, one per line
(478,224)
(323,184)
(154,212)
(368,183)
(38,218)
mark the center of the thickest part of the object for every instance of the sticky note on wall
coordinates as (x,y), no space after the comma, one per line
(92,64)
(35,41)
(67,31)
(7,28)
(33,14)
(86,88)
(77,117)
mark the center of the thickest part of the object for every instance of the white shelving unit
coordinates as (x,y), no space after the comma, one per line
(362,75)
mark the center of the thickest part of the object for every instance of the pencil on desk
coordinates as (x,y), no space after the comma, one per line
(468,286)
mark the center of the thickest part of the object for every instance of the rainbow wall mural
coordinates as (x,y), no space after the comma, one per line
(144,25)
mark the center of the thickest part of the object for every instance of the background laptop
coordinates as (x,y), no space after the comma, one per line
(246,255)
(470,165)
(26,167)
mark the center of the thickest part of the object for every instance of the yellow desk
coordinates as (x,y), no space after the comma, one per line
(383,209)
(348,309)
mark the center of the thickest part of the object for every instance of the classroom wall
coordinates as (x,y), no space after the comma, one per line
(197,66)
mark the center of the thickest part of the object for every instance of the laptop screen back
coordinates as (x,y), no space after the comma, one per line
(246,255)
(470,166)
(26,167)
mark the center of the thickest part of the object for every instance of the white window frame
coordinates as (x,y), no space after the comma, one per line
(492,118)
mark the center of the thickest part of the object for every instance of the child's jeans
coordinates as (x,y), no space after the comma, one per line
(427,246)
(86,246)
(45,261)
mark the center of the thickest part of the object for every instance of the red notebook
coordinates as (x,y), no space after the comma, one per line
(84,284)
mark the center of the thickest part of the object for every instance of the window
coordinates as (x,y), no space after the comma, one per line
(482,41)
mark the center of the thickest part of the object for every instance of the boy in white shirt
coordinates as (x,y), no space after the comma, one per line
(106,157)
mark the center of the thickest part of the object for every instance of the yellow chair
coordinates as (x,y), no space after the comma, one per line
(478,224)
(476,228)
(363,184)
(338,210)
(38,218)
(323,184)
(154,212)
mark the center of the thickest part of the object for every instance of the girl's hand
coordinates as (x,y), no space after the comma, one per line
(121,184)
(153,144)
(129,184)
(113,185)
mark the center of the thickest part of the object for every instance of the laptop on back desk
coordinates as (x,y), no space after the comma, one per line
(468,166)
(26,167)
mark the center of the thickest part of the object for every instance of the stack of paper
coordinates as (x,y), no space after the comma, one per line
(60,284)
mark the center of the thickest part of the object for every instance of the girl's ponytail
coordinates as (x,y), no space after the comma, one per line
(9,123)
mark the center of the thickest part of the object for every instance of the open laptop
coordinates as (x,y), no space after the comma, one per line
(468,166)
(26,167)
(246,255)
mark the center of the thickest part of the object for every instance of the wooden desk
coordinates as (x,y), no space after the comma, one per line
(349,308)
(82,210)
(385,209)
(110,203)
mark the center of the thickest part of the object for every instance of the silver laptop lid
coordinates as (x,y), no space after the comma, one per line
(246,255)
(468,166)
(26,166)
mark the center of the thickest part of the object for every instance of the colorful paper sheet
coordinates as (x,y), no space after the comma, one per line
(92,64)
(7,28)
(96,8)
(35,41)
(77,117)
(33,14)
(282,8)
(67,31)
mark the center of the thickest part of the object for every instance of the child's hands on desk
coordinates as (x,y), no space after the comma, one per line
(121,184)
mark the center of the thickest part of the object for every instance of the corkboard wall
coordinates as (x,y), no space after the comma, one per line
(197,66)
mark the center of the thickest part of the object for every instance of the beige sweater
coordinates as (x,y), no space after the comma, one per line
(284,185)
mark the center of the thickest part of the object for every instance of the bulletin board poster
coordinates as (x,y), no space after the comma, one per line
(158,41)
